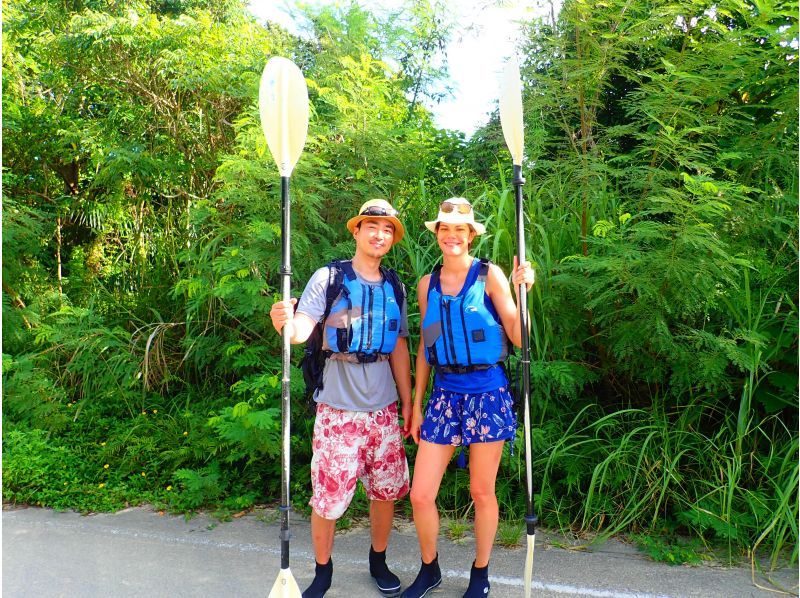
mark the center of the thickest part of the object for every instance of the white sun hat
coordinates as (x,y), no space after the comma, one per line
(456,210)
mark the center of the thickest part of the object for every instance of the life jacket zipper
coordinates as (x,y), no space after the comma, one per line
(443,336)
(371,318)
(362,331)
(450,333)
(466,334)
(383,319)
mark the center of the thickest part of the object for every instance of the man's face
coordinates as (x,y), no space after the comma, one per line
(374,237)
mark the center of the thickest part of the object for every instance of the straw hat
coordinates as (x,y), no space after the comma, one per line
(450,213)
(378,208)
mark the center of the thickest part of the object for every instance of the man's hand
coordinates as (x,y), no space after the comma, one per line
(405,412)
(282,313)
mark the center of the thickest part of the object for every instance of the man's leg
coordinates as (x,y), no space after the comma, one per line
(385,480)
(381,517)
(334,471)
(322,531)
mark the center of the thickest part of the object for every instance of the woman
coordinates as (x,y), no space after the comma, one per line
(468,314)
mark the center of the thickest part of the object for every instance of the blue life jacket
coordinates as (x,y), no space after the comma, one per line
(365,319)
(461,334)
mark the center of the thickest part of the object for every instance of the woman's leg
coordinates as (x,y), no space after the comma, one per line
(429,466)
(484,460)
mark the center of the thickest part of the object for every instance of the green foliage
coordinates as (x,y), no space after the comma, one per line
(141,243)
(654,129)
(198,488)
(41,471)
(509,533)
(456,529)
(254,433)
(671,551)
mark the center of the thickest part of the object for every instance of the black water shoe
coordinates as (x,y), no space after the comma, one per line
(322,581)
(429,577)
(478,582)
(388,583)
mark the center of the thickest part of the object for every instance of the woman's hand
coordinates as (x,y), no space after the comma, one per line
(523,273)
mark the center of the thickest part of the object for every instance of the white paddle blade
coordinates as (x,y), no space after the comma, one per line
(285,586)
(283,104)
(529,565)
(511,111)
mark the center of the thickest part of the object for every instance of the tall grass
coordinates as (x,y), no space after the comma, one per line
(654,471)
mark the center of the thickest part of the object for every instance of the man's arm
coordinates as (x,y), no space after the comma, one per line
(300,325)
(309,312)
(400,363)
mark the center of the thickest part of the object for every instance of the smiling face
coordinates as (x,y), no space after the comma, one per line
(374,237)
(454,239)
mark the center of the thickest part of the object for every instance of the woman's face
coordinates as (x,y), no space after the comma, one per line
(454,239)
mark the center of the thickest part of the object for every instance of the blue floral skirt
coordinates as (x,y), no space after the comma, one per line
(457,418)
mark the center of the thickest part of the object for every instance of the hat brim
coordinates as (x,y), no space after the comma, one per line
(399,229)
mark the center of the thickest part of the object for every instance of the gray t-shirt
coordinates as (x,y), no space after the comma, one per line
(350,386)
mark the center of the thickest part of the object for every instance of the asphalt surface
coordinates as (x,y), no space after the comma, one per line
(139,552)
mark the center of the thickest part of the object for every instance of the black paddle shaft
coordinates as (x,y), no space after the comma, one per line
(530,517)
(286,290)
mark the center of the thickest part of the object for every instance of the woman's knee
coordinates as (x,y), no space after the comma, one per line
(483,494)
(422,497)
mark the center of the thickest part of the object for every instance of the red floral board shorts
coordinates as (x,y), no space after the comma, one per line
(353,445)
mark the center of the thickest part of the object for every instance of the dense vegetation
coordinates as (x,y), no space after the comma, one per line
(141,249)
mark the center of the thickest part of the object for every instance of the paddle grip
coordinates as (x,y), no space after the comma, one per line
(518,180)
(530,524)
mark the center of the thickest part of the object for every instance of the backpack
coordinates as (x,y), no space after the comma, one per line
(312,363)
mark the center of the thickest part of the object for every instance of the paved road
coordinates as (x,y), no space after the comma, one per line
(139,552)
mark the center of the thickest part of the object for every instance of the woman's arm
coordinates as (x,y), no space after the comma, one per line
(499,292)
(422,370)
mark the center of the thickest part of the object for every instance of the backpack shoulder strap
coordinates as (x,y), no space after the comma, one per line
(397,285)
(346,266)
(336,273)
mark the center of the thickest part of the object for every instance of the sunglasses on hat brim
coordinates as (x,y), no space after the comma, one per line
(447,207)
(379,211)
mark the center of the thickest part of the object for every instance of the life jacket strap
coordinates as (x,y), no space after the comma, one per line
(357,357)
(463,369)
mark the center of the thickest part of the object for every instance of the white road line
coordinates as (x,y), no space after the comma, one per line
(559,588)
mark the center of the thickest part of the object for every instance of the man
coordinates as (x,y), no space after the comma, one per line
(356,432)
